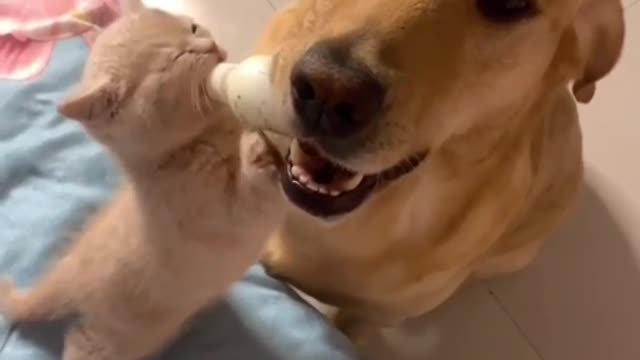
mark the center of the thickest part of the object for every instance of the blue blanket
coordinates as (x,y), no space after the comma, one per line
(52,177)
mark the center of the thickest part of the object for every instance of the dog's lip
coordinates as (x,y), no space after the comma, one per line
(332,206)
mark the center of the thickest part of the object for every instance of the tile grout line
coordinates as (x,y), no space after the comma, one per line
(513,321)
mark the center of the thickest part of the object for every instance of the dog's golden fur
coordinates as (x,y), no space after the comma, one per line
(493,105)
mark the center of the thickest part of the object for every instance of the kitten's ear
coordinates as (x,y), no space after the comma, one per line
(130,6)
(93,101)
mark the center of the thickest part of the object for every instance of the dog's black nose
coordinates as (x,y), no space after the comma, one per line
(334,95)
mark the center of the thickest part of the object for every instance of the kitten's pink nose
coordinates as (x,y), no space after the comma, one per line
(206,46)
(222,53)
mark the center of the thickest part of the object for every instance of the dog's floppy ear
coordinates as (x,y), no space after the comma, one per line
(599,29)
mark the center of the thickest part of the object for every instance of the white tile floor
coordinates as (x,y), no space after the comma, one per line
(581,299)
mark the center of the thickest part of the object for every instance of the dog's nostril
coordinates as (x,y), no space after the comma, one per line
(346,116)
(345,112)
(304,90)
(343,120)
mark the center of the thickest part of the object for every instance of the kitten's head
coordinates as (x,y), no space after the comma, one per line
(145,90)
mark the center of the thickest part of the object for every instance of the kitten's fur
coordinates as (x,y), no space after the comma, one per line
(200,200)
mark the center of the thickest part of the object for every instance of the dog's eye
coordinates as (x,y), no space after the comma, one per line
(504,11)
(194,28)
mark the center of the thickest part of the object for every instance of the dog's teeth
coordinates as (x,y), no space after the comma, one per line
(313,186)
(352,183)
(308,183)
(304,178)
(298,173)
(296,170)
(301,175)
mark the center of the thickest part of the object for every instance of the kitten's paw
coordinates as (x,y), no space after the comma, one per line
(274,262)
(268,262)
(260,194)
(259,156)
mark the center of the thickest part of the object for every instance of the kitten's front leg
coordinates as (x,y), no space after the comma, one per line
(261,164)
(48,300)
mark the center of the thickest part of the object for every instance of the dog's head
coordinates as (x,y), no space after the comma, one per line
(375,86)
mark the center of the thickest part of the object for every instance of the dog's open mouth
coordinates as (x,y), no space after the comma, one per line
(326,189)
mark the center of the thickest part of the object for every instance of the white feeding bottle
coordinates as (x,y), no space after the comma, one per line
(246,88)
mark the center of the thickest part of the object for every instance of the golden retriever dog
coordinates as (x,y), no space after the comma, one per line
(437,140)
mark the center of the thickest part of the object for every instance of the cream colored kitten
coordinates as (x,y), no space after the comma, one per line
(199,201)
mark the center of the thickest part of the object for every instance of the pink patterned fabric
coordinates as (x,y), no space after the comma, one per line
(30,28)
